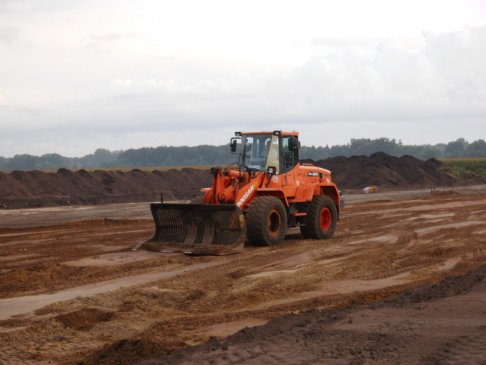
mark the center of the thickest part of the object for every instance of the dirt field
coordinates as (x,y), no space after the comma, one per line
(74,292)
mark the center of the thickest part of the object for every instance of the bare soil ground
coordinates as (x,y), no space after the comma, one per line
(74,292)
(443,323)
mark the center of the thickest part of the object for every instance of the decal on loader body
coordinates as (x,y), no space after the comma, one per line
(245,196)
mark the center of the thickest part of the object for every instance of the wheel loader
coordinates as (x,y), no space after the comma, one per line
(255,199)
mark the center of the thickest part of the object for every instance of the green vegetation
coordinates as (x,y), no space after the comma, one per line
(467,165)
(206,155)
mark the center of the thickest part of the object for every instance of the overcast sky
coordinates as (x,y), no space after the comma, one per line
(80,75)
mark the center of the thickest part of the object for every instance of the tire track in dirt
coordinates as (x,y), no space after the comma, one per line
(424,325)
(467,349)
(376,252)
(41,261)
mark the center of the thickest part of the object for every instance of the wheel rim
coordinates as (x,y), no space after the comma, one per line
(325,219)
(274,222)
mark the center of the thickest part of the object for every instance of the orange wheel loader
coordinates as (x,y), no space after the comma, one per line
(257,198)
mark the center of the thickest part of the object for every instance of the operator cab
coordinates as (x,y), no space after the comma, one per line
(260,150)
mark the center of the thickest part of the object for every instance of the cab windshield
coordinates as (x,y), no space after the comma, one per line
(260,151)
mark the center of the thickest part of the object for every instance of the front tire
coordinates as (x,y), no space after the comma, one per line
(266,220)
(321,219)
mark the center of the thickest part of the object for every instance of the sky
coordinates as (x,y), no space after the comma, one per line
(80,75)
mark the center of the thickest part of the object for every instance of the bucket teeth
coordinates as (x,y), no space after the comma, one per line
(201,225)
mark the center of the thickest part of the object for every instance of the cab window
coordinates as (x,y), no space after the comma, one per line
(289,156)
(273,154)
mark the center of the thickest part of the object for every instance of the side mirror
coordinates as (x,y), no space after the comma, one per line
(234,144)
(293,143)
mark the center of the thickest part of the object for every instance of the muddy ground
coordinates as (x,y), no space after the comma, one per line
(443,323)
(74,292)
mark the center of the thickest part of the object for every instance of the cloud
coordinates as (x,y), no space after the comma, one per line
(112,37)
(460,57)
(446,78)
(345,42)
(34,6)
(389,82)
(3,100)
(429,90)
(8,34)
(109,41)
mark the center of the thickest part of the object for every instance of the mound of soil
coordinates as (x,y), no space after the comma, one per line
(449,286)
(84,319)
(128,351)
(387,171)
(21,189)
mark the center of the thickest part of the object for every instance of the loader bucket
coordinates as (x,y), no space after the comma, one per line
(197,229)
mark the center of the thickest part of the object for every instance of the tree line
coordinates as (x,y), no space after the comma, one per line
(206,155)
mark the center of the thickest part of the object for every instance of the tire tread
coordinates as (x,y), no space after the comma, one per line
(311,229)
(255,217)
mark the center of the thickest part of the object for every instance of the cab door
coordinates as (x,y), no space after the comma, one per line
(289,158)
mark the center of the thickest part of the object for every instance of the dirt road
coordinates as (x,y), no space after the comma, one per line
(74,292)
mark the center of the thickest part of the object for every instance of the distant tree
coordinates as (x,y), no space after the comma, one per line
(220,155)
(476,149)
(24,162)
(456,148)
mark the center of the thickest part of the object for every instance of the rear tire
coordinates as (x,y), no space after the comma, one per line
(321,219)
(266,221)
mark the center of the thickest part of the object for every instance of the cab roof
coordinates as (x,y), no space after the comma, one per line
(282,133)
